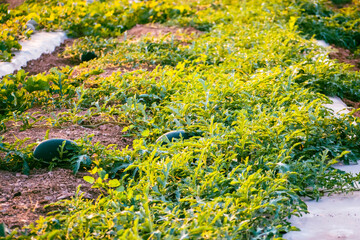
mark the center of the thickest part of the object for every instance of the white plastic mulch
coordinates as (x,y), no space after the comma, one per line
(333,217)
(322,43)
(41,42)
(338,106)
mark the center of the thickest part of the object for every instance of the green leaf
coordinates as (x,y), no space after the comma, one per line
(145,133)
(32,84)
(114,183)
(120,189)
(83,159)
(102,174)
(89,179)
(25,169)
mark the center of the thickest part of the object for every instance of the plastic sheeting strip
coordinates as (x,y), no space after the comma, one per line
(41,42)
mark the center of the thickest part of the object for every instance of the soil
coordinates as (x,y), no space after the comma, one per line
(139,31)
(50,60)
(336,7)
(345,56)
(22,198)
(93,81)
(105,134)
(12,3)
(355,105)
(157,30)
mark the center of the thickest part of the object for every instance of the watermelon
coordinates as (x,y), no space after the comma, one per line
(31,27)
(49,149)
(32,22)
(2,230)
(87,56)
(171,136)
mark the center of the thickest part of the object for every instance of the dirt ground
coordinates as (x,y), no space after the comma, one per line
(157,30)
(345,56)
(13,3)
(50,60)
(355,105)
(22,198)
(139,31)
(104,132)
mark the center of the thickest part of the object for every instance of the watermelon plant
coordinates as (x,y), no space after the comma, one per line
(335,26)
(250,92)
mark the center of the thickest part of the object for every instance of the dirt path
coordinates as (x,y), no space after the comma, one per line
(50,60)
(13,3)
(345,56)
(22,198)
(103,132)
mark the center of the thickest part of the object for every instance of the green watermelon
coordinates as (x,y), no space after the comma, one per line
(49,149)
(87,56)
(2,230)
(170,136)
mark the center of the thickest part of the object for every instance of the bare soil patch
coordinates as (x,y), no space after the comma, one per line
(355,105)
(109,71)
(105,133)
(22,198)
(50,60)
(93,81)
(157,30)
(336,7)
(137,32)
(12,3)
(345,56)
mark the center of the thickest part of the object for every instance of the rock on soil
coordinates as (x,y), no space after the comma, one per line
(355,105)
